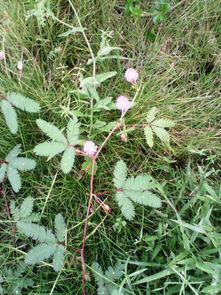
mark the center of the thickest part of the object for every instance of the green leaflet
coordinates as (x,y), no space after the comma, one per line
(49,149)
(59,227)
(14,178)
(67,160)
(73,132)
(162,134)
(164,123)
(126,205)
(26,207)
(151,115)
(13,153)
(148,135)
(58,259)
(23,164)
(10,116)
(3,169)
(51,131)
(36,232)
(120,174)
(40,252)
(24,103)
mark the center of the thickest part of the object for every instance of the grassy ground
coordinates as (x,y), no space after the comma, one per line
(181,74)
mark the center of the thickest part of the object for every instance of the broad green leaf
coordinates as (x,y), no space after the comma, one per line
(3,169)
(151,115)
(72,31)
(67,160)
(10,116)
(73,132)
(164,123)
(39,253)
(14,178)
(116,292)
(58,259)
(116,272)
(120,174)
(23,164)
(24,103)
(126,206)
(107,50)
(49,149)
(26,207)
(36,232)
(51,131)
(104,76)
(149,136)
(13,153)
(59,227)
(103,104)
(162,134)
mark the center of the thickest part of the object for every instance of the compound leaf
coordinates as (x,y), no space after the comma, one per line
(120,174)
(51,131)
(126,206)
(24,103)
(10,116)
(49,149)
(14,178)
(149,136)
(40,252)
(58,259)
(23,164)
(59,227)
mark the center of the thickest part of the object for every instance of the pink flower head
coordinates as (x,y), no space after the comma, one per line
(131,75)
(90,148)
(2,55)
(123,103)
(20,65)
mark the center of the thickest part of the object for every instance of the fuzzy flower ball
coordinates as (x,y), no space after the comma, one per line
(2,55)
(131,75)
(20,65)
(123,103)
(90,148)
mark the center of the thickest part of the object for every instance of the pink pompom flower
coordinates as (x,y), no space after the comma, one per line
(123,103)
(131,75)
(2,55)
(90,148)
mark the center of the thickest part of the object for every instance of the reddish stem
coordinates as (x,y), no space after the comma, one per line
(2,96)
(118,124)
(3,162)
(109,192)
